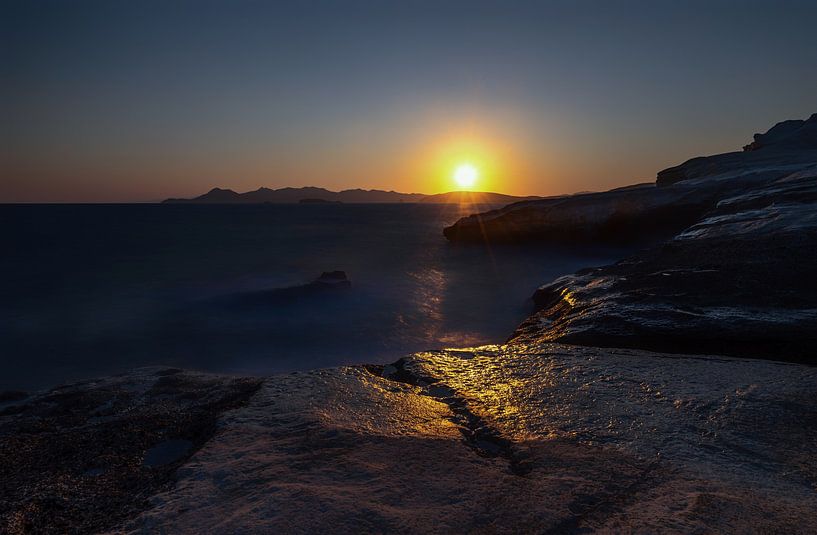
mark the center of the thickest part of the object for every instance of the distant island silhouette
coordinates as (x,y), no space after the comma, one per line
(313,195)
(317,201)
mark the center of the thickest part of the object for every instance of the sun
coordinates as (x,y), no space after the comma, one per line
(465,175)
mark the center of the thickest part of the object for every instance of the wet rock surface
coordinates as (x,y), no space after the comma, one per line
(546,438)
(83,457)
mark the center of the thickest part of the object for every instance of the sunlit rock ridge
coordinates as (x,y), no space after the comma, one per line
(638,424)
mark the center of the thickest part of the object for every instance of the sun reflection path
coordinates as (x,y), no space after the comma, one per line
(429,299)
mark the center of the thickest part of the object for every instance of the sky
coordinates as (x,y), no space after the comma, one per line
(132,101)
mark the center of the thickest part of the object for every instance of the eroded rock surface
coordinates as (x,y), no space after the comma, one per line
(547,438)
(740,281)
(81,458)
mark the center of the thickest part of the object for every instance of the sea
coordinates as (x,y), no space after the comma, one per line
(90,290)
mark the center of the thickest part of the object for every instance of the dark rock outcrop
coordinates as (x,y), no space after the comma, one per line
(785,147)
(630,214)
(793,134)
(329,283)
(739,282)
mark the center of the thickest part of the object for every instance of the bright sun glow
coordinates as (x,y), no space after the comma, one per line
(465,176)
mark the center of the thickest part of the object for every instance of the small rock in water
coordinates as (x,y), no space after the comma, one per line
(167,452)
(327,283)
(334,278)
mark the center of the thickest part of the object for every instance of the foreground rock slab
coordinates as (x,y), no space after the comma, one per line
(545,438)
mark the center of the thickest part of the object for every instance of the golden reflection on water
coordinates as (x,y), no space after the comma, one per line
(432,285)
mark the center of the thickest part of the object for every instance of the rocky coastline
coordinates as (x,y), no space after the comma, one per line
(624,403)
(733,276)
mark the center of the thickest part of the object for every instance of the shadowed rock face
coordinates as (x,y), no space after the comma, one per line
(788,134)
(621,216)
(740,281)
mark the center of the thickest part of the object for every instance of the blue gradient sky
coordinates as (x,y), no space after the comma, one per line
(135,101)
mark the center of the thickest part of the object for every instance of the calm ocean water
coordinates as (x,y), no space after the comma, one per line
(97,289)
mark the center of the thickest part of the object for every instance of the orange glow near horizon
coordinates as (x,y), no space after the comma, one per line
(463,162)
